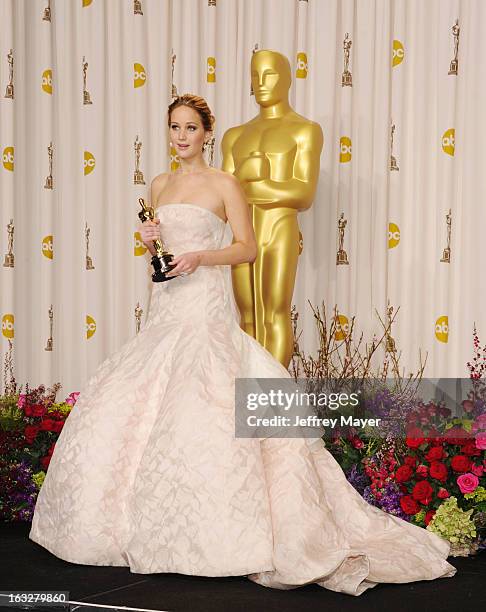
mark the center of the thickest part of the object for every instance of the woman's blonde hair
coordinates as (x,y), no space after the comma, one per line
(198,104)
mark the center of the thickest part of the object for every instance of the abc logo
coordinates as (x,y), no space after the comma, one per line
(8,325)
(211,74)
(89,162)
(139,248)
(47,81)
(342,327)
(302,66)
(174,159)
(87,2)
(393,235)
(442,328)
(47,248)
(90,326)
(448,141)
(398,53)
(8,158)
(345,153)
(139,76)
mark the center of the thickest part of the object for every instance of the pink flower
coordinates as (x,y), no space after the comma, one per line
(468,482)
(481,440)
(72,397)
(467,406)
(21,401)
(477,470)
(479,423)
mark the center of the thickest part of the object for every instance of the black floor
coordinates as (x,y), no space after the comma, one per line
(24,565)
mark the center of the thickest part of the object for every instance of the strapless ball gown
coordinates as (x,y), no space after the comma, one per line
(147,472)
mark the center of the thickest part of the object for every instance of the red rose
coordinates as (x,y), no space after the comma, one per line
(414,437)
(460,463)
(403,473)
(435,454)
(429,516)
(422,471)
(471,449)
(423,492)
(48,425)
(30,433)
(443,493)
(409,505)
(38,410)
(58,425)
(45,461)
(411,461)
(456,435)
(438,470)
(357,442)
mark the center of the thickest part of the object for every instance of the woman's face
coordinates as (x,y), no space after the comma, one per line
(186,132)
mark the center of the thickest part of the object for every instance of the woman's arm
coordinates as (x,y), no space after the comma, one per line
(155,188)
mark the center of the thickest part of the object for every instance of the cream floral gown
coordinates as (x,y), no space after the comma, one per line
(147,472)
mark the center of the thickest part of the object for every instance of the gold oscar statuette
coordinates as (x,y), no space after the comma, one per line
(138,317)
(10,88)
(446,255)
(138,174)
(49,184)
(47,12)
(209,145)
(49,344)
(455,62)
(390,342)
(86,96)
(89,261)
(8,262)
(346,78)
(161,260)
(393,159)
(174,93)
(341,255)
(276,157)
(137,7)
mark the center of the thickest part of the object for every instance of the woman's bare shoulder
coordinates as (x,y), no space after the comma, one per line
(160,179)
(223,178)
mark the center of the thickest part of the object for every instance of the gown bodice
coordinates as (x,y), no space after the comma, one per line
(189,227)
(206,295)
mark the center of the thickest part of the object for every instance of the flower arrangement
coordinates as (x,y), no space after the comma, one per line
(30,423)
(426,466)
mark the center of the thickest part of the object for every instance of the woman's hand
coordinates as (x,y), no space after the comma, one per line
(150,231)
(186,263)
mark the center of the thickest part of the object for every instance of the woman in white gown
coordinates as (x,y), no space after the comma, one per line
(147,472)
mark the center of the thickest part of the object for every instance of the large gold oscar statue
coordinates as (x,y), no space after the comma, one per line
(276,157)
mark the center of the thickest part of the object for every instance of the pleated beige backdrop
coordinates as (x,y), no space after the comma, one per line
(101,131)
